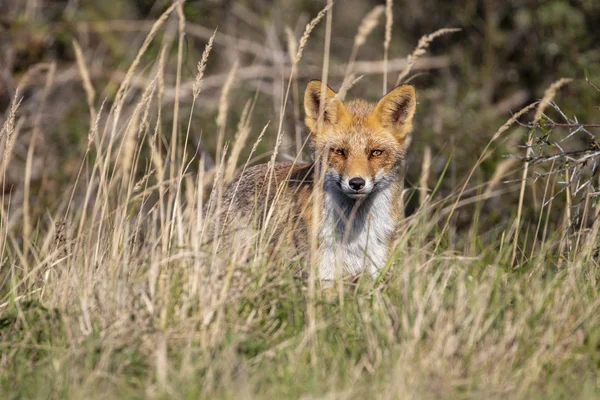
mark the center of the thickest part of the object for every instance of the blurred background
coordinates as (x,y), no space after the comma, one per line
(469,82)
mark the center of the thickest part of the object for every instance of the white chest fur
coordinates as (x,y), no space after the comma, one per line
(355,236)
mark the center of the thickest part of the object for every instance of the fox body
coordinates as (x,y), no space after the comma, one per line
(359,151)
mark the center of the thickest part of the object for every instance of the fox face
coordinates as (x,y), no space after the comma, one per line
(362,145)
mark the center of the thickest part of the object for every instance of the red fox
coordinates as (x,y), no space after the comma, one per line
(359,151)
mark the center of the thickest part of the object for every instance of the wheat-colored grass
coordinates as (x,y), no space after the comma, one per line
(389,23)
(202,66)
(308,30)
(500,173)
(347,84)
(7,134)
(511,121)
(368,23)
(123,291)
(174,205)
(224,106)
(241,136)
(548,96)
(85,77)
(50,75)
(130,72)
(425,172)
(420,50)
(292,45)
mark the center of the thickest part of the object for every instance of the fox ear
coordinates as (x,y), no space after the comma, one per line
(331,109)
(395,110)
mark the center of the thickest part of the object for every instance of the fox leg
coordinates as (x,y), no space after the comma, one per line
(330,264)
(327,265)
(376,260)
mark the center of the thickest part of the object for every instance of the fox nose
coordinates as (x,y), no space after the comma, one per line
(357,183)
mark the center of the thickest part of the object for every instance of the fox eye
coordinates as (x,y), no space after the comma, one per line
(376,153)
(339,152)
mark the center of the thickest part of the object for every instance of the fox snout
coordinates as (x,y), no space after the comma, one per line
(357,183)
(356,187)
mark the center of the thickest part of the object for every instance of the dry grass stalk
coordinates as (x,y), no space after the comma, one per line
(389,22)
(325,69)
(202,66)
(517,223)
(85,77)
(482,156)
(197,88)
(270,208)
(565,240)
(134,127)
(215,203)
(155,155)
(136,61)
(161,365)
(367,25)
(91,138)
(155,144)
(308,30)
(30,151)
(292,44)
(501,170)
(421,49)
(584,219)
(7,132)
(224,99)
(94,128)
(512,120)
(425,171)
(316,195)
(539,223)
(224,107)
(597,207)
(347,85)
(138,185)
(103,163)
(548,96)
(175,125)
(29,75)
(243,131)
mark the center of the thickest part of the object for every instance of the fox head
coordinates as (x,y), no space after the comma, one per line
(361,144)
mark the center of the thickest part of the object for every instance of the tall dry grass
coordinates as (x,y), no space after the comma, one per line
(121,289)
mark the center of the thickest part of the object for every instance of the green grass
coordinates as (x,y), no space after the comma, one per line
(440,326)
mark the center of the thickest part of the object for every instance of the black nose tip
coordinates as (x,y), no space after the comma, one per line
(357,183)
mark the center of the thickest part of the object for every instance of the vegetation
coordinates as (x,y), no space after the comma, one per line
(122,119)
